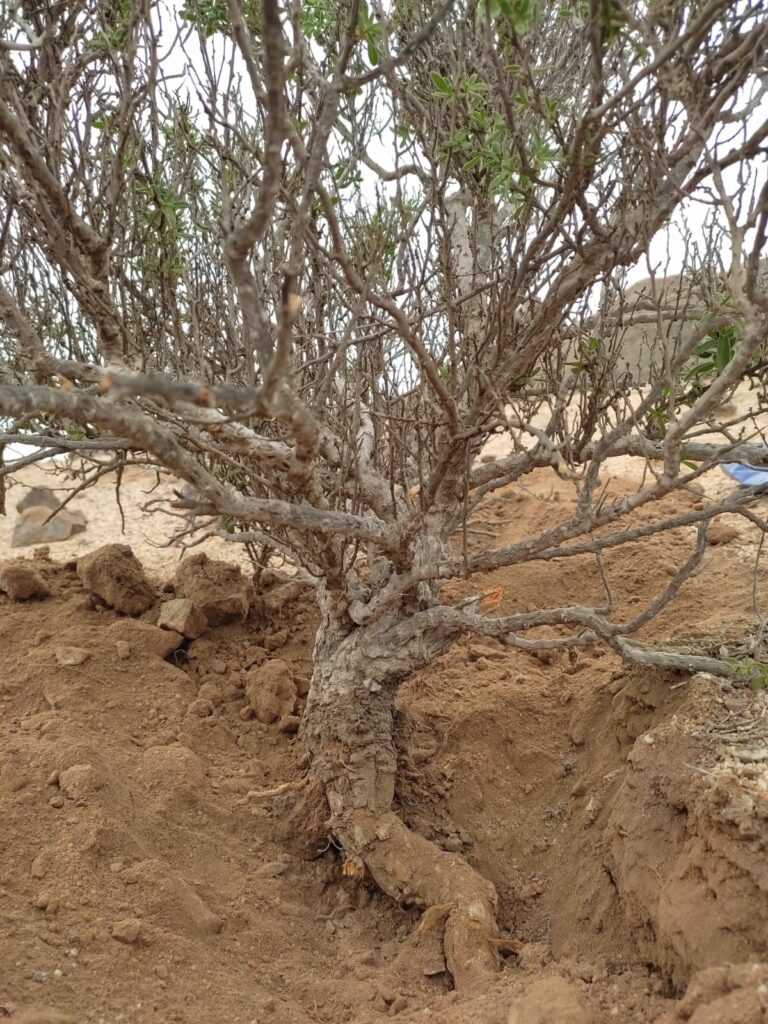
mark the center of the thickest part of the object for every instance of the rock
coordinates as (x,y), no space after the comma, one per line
(44,1015)
(720,533)
(38,497)
(534,956)
(71,655)
(276,600)
(272,869)
(34,526)
(144,638)
(80,781)
(41,865)
(275,641)
(201,708)
(22,582)
(182,616)
(548,1000)
(114,574)
(127,930)
(289,724)
(219,589)
(123,649)
(254,655)
(271,690)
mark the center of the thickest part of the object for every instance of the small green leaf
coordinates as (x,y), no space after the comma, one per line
(442,84)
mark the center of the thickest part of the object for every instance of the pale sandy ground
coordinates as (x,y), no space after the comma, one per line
(148,533)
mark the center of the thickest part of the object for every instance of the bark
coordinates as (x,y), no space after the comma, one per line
(348,730)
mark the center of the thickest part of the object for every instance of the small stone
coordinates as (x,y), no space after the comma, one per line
(127,930)
(57,800)
(201,708)
(592,810)
(22,582)
(246,713)
(71,655)
(276,640)
(123,649)
(453,844)
(183,616)
(272,869)
(219,666)
(41,865)
(289,724)
(254,655)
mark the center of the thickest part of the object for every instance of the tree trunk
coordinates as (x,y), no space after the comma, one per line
(348,730)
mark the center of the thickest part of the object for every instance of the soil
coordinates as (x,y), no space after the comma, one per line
(621,813)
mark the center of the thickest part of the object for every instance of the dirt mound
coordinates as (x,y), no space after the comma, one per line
(620,815)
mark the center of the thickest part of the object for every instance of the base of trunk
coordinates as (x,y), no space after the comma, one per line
(348,730)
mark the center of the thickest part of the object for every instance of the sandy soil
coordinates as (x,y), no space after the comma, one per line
(621,814)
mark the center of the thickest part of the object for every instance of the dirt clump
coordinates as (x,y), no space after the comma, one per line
(22,582)
(116,576)
(219,589)
(548,1000)
(271,691)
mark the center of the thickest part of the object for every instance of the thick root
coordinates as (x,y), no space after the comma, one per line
(414,871)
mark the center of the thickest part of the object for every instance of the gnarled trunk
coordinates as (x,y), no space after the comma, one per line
(348,730)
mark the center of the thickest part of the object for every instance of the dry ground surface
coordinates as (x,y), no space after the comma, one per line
(621,813)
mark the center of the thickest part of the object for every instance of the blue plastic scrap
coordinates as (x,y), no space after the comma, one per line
(747,476)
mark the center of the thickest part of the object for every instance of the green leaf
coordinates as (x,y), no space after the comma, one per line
(373,53)
(442,84)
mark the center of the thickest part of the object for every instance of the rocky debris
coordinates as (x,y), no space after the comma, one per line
(182,616)
(38,497)
(219,589)
(144,638)
(69,656)
(127,930)
(548,1000)
(35,527)
(114,574)
(723,995)
(271,691)
(22,582)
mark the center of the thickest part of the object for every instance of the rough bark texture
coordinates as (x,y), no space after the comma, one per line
(348,729)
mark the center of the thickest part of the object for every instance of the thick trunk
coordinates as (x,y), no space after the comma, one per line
(348,730)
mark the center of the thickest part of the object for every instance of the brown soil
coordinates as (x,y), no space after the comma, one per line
(622,814)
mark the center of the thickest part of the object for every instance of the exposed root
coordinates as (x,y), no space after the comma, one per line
(415,872)
(284,787)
